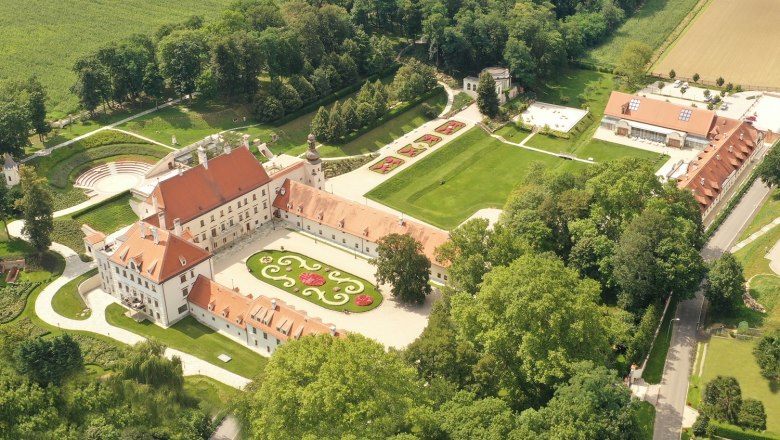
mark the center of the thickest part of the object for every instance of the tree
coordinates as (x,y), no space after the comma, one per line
(48,361)
(522,64)
(725,283)
(36,95)
(706,93)
(14,128)
(467,251)
(153,82)
(729,87)
(289,98)
(672,74)
(364,113)
(236,62)
(319,124)
(349,115)
(37,208)
(267,108)
(720,81)
(633,60)
(326,387)
(769,168)
(92,84)
(145,363)
(401,263)
(487,99)
(767,354)
(412,80)
(752,415)
(592,405)
(722,399)
(181,56)
(696,77)
(379,99)
(683,90)
(319,79)
(337,127)
(304,88)
(643,336)
(516,318)
(465,417)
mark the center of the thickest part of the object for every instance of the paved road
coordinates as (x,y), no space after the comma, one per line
(673,390)
(229,429)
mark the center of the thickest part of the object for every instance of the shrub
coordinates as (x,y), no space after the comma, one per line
(767,353)
(752,415)
(428,110)
(13,298)
(743,328)
(335,168)
(700,425)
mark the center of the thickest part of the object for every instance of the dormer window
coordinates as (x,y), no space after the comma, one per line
(341,223)
(211,307)
(239,320)
(183,261)
(225,313)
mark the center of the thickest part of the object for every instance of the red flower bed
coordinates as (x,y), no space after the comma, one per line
(311,279)
(430,139)
(386,165)
(450,127)
(410,151)
(363,300)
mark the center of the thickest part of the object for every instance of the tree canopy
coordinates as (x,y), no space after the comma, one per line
(37,208)
(725,283)
(400,262)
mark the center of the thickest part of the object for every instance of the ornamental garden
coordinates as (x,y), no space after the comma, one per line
(314,281)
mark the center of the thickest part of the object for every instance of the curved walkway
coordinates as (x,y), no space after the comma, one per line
(96,323)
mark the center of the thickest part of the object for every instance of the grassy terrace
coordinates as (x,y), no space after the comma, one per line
(108,216)
(192,337)
(68,302)
(651,24)
(767,213)
(52,35)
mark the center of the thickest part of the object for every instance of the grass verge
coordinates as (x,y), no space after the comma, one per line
(646,417)
(654,369)
(68,302)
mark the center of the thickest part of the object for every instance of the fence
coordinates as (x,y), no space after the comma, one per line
(745,87)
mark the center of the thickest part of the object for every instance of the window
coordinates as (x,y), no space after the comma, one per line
(368,250)
(254,330)
(192,273)
(224,240)
(255,209)
(308,227)
(239,204)
(265,205)
(132,278)
(212,217)
(221,213)
(278,342)
(203,236)
(633,104)
(254,196)
(158,315)
(184,291)
(263,191)
(146,284)
(255,342)
(265,217)
(265,335)
(202,223)
(154,289)
(267,348)
(223,227)
(213,232)
(320,231)
(333,236)
(183,277)
(356,245)
(230,209)
(120,286)
(445,277)
(116,269)
(124,273)
(231,222)
(227,325)
(212,318)
(245,202)
(344,240)
(156,304)
(438,275)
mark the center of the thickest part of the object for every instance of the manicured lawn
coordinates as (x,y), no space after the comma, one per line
(513,133)
(654,369)
(215,397)
(387,132)
(106,217)
(462,99)
(651,24)
(67,301)
(192,337)
(577,87)
(733,357)
(283,270)
(445,188)
(45,38)
(603,151)
(768,212)
(646,416)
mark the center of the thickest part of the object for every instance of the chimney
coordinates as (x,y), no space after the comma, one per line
(203,158)
(273,304)
(731,148)
(333,330)
(742,136)
(177,227)
(142,229)
(701,181)
(161,218)
(156,235)
(401,220)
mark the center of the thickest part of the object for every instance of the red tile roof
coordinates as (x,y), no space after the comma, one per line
(733,143)
(283,322)
(201,189)
(353,218)
(659,113)
(159,261)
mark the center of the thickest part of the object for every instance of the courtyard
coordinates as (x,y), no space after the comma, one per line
(556,117)
(389,322)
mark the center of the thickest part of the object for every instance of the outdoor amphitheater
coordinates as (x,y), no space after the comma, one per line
(112,177)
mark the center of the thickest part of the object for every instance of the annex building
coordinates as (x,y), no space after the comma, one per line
(161,266)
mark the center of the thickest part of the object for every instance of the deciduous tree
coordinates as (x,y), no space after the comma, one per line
(48,361)
(767,353)
(487,99)
(722,399)
(37,207)
(181,56)
(633,61)
(400,262)
(769,168)
(752,415)
(725,283)
(319,124)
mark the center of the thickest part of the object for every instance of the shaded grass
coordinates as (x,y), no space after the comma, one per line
(654,369)
(215,397)
(472,172)
(192,337)
(646,417)
(255,267)
(651,24)
(768,212)
(68,302)
(733,357)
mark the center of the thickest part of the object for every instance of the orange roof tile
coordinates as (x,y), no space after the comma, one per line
(726,154)
(284,322)
(97,237)
(659,113)
(354,218)
(159,261)
(200,189)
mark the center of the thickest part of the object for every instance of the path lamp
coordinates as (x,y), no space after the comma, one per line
(670,327)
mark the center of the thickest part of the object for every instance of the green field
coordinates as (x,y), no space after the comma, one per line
(651,24)
(192,337)
(732,357)
(474,171)
(45,38)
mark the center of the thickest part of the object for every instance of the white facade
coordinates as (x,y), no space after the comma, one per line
(11,171)
(253,337)
(501,76)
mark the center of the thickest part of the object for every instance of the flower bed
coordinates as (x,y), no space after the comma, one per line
(430,139)
(387,164)
(450,127)
(410,151)
(313,281)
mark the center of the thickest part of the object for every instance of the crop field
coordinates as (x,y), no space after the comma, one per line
(45,37)
(651,24)
(735,39)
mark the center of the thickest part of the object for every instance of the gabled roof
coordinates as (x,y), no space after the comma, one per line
(728,152)
(161,261)
(353,218)
(201,189)
(660,113)
(281,321)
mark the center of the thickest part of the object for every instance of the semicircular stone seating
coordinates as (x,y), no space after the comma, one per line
(89,178)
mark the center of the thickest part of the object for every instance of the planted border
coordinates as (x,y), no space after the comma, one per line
(386,165)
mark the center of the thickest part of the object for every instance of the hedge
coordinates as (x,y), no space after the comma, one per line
(392,114)
(105,137)
(13,299)
(59,175)
(338,94)
(736,433)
